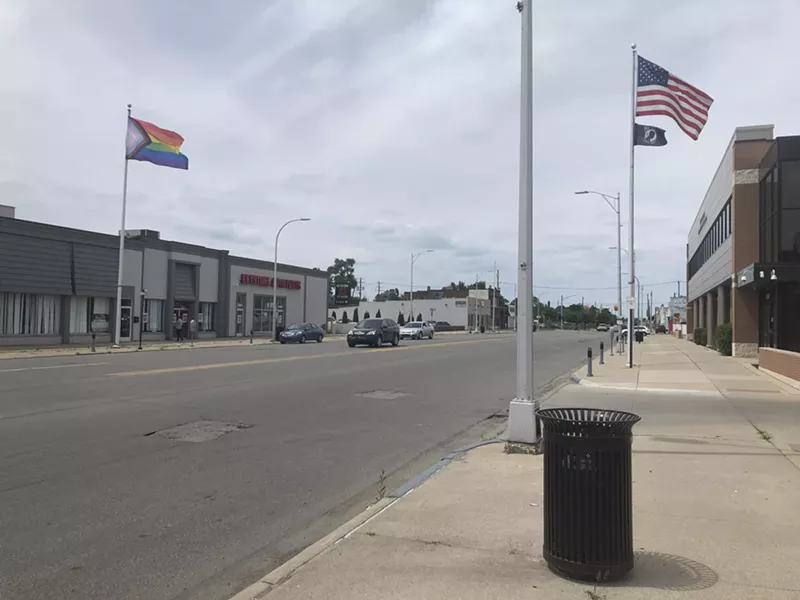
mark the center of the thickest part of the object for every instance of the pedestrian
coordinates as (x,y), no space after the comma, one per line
(179,330)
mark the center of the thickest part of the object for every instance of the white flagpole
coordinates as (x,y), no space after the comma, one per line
(523,422)
(118,312)
(631,246)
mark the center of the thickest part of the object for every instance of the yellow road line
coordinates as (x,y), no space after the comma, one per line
(263,361)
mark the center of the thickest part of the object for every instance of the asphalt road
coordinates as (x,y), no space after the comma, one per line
(99,502)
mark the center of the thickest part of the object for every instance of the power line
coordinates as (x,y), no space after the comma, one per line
(589,289)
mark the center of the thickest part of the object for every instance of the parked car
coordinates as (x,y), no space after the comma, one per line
(441,325)
(416,330)
(300,332)
(374,332)
(661,329)
(602,327)
(643,328)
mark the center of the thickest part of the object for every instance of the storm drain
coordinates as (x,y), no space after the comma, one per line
(199,431)
(382,395)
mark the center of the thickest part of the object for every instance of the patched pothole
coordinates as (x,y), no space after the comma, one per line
(382,394)
(198,431)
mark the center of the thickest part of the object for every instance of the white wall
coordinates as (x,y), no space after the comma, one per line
(294,298)
(445,309)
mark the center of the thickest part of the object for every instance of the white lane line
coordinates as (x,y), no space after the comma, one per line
(52,367)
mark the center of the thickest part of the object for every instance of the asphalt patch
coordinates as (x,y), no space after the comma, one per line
(198,431)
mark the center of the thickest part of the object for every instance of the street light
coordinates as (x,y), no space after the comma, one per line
(619,247)
(275,277)
(414,258)
(142,296)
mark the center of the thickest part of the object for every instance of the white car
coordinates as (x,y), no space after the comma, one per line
(416,330)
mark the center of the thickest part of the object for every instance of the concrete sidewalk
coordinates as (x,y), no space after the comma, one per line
(664,363)
(715,513)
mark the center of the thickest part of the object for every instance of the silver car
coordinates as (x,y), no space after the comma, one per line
(416,330)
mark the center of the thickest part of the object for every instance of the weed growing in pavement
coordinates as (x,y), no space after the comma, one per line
(381,486)
(520,448)
(765,435)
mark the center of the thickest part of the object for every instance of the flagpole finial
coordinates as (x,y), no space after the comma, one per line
(633,46)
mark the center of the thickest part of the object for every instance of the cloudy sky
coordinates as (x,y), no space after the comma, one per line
(392,124)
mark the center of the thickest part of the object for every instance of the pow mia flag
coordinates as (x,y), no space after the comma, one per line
(647,135)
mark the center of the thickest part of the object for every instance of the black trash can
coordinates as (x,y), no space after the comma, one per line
(278,331)
(639,336)
(588,495)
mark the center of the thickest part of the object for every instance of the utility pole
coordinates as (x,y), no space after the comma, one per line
(523,422)
(379,288)
(679,287)
(360,287)
(562,310)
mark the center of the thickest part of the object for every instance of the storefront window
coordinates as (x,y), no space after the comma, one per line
(29,314)
(790,236)
(154,309)
(88,314)
(208,310)
(790,184)
(262,313)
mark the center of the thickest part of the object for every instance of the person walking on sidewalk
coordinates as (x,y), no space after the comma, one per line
(179,330)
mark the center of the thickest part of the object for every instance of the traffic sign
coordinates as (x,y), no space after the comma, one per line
(631,302)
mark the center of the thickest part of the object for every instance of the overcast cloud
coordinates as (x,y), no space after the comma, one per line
(393,124)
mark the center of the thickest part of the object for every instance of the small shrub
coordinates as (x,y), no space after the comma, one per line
(419,317)
(378,314)
(366,314)
(401,320)
(724,339)
(700,336)
(355,315)
(344,317)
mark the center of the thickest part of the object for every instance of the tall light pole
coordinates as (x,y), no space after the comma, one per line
(414,258)
(616,208)
(562,307)
(275,277)
(523,422)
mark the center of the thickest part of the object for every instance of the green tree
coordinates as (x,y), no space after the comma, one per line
(390,294)
(366,314)
(341,271)
(401,320)
(355,315)
(419,317)
(344,317)
(333,314)
(378,314)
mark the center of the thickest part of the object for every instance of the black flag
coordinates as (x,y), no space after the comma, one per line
(647,135)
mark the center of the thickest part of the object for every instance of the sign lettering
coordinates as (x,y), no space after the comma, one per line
(263,281)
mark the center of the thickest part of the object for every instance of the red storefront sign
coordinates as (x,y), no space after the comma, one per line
(260,280)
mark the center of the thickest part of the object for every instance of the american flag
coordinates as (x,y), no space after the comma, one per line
(659,92)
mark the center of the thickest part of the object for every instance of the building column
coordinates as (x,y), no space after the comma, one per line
(722,313)
(64,314)
(690,318)
(713,303)
(709,296)
(744,322)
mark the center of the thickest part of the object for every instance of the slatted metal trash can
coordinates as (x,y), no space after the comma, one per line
(588,492)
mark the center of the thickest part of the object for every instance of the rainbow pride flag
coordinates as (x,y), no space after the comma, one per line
(147,142)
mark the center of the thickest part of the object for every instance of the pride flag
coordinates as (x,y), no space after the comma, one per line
(147,142)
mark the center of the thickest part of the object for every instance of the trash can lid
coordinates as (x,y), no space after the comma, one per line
(588,422)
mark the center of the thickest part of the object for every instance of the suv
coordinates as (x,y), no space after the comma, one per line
(602,327)
(374,332)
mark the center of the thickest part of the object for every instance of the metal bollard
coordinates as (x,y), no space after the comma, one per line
(94,342)
(601,354)
(589,362)
(251,336)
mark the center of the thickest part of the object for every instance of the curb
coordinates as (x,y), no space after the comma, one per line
(574,378)
(277,576)
(283,572)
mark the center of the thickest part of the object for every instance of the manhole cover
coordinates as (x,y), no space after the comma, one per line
(198,431)
(382,395)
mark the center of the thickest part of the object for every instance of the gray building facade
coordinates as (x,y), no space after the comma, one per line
(58,286)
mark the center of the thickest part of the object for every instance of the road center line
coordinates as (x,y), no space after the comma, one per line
(263,361)
(52,367)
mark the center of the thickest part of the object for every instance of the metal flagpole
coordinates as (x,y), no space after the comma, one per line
(523,423)
(631,246)
(118,312)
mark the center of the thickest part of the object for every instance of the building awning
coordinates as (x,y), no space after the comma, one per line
(765,275)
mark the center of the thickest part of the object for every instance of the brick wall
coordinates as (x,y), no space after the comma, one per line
(781,362)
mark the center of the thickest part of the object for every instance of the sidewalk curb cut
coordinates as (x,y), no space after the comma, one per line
(581,381)
(278,575)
